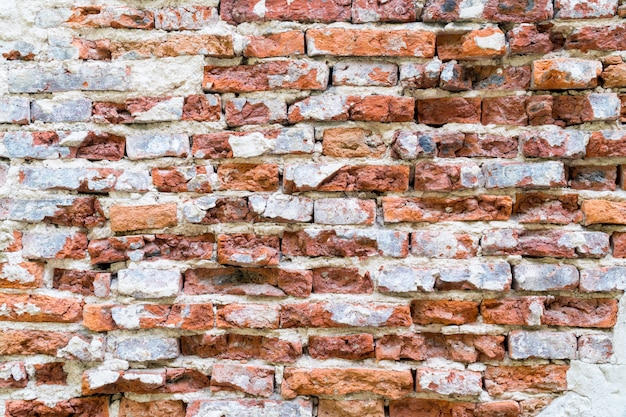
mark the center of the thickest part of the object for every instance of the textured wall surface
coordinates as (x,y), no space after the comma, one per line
(333,208)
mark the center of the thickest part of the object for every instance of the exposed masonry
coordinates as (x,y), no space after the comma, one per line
(331,208)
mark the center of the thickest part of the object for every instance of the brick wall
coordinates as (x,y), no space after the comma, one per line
(332,208)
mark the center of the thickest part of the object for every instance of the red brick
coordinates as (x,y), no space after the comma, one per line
(565,73)
(342,381)
(537,207)
(598,38)
(539,110)
(74,407)
(276,44)
(430,176)
(120,17)
(252,316)
(219,46)
(619,244)
(237,11)
(577,312)
(341,314)
(606,143)
(614,76)
(352,347)
(370,42)
(529,39)
(477,44)
(202,108)
(362,243)
(241,347)
(253,380)
(433,209)
(531,379)
(159,381)
(439,111)
(443,244)
(604,212)
(299,75)
(508,110)
(157,408)
(99,49)
(351,408)
(50,373)
(34,342)
(40,308)
(334,280)
(519,311)
(101,146)
(182,179)
(477,145)
(248,250)
(248,177)
(268,282)
(352,143)
(518,11)
(21,275)
(492,77)
(444,312)
(244,111)
(127,218)
(381,109)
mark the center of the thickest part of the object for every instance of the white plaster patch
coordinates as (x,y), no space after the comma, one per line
(494,41)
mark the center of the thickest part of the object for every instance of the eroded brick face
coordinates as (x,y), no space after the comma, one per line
(312,208)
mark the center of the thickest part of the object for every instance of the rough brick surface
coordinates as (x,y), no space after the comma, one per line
(312,208)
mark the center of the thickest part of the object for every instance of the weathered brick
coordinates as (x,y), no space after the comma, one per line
(507,110)
(344,243)
(86,179)
(370,42)
(570,110)
(408,407)
(598,178)
(606,143)
(235,12)
(454,77)
(332,280)
(241,347)
(13,375)
(352,143)
(15,110)
(83,77)
(220,46)
(202,108)
(151,381)
(82,282)
(443,312)
(110,16)
(185,18)
(352,347)
(149,316)
(360,74)
(433,209)
(529,39)
(492,77)
(564,143)
(545,243)
(268,282)
(392,11)
(608,278)
(524,175)
(21,275)
(248,177)
(246,111)
(540,110)
(332,381)
(541,344)
(443,244)
(342,314)
(545,277)
(439,111)
(178,179)
(595,348)
(248,250)
(330,107)
(254,380)
(619,244)
(297,140)
(126,218)
(253,316)
(155,109)
(604,212)
(50,373)
(422,346)
(601,38)
(614,75)
(577,9)
(156,408)
(54,245)
(156,145)
(410,145)
(149,283)
(150,247)
(578,312)
(275,44)
(350,408)
(430,176)
(74,407)
(40,308)
(414,75)
(138,349)
(298,75)
(532,379)
(45,342)
(258,408)
(538,207)
(476,145)
(449,382)
(339,177)
(520,311)
(488,42)
(344,211)
(565,73)
(54,111)
(80,212)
